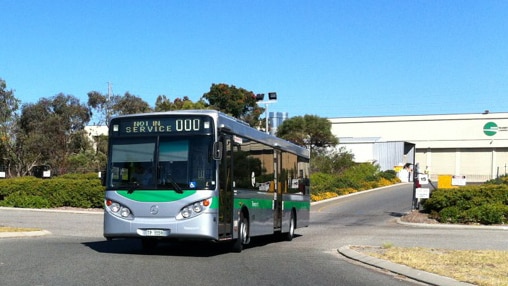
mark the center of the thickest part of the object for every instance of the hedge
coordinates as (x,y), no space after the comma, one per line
(363,177)
(81,191)
(482,204)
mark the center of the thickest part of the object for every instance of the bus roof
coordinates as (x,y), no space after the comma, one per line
(234,126)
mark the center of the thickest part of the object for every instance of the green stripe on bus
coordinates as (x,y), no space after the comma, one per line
(215,203)
(155,196)
(254,203)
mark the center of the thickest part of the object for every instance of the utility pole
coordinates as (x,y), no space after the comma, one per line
(108,102)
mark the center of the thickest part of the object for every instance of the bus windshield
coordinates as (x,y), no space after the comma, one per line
(162,162)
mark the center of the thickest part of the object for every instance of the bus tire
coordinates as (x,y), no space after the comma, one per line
(243,233)
(292,226)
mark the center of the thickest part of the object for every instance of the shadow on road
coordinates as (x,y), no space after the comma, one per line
(177,248)
(397,214)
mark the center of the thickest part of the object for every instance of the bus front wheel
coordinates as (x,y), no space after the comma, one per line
(243,234)
(292,225)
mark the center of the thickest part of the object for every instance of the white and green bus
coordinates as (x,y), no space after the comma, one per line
(200,174)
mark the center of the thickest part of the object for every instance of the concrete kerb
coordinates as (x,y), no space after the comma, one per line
(418,275)
(453,226)
(69,210)
(21,234)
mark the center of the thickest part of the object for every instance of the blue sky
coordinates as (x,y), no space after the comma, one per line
(326,58)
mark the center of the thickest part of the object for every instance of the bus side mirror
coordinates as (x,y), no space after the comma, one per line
(102,177)
(217,150)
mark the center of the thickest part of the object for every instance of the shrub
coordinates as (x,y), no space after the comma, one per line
(84,191)
(360,173)
(383,182)
(322,196)
(449,214)
(22,200)
(346,191)
(389,175)
(499,181)
(321,183)
(488,214)
(485,204)
(369,185)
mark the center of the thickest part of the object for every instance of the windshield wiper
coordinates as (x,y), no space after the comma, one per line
(175,185)
(132,187)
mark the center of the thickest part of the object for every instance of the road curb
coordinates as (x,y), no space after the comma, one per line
(452,226)
(418,275)
(21,234)
(70,210)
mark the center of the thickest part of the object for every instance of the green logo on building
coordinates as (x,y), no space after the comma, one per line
(490,129)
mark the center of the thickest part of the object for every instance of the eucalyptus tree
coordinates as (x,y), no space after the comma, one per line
(310,131)
(238,102)
(103,107)
(165,104)
(51,130)
(9,106)
(129,104)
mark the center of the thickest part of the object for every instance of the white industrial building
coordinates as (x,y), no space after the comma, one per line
(472,146)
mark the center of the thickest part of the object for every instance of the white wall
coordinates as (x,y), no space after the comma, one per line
(453,144)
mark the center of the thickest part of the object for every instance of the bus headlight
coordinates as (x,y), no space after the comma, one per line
(186,212)
(197,208)
(117,209)
(194,209)
(125,212)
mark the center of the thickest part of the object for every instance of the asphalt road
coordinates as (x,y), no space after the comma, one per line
(75,253)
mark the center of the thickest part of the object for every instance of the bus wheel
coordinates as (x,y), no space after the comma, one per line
(292,224)
(243,234)
(149,244)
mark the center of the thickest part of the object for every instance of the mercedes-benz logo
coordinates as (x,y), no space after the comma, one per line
(154,209)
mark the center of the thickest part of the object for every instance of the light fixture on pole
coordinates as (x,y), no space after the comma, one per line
(272,98)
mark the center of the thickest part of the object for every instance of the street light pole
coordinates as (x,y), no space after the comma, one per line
(272,98)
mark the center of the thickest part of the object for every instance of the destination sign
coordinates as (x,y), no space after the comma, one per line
(158,125)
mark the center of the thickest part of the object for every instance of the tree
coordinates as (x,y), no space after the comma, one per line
(164,104)
(237,102)
(331,161)
(9,105)
(100,107)
(129,104)
(310,131)
(103,107)
(51,131)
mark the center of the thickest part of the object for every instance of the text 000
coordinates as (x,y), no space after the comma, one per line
(188,124)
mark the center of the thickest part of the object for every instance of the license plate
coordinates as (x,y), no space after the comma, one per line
(155,232)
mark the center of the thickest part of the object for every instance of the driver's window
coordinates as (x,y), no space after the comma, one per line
(132,163)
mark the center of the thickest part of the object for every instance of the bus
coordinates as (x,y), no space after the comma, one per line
(202,175)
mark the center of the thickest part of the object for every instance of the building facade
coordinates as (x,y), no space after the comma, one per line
(473,146)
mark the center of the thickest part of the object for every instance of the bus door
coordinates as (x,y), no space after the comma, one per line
(226,188)
(277,209)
